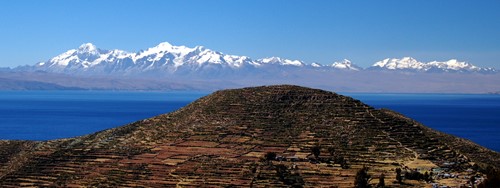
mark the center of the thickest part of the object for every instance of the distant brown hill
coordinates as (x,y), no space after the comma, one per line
(270,136)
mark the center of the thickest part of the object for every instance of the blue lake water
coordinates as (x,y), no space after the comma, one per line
(44,115)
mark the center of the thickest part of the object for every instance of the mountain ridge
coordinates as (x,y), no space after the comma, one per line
(169,67)
(411,64)
(169,59)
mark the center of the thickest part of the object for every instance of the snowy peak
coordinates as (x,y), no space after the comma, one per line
(411,64)
(164,45)
(403,63)
(316,65)
(87,48)
(281,61)
(345,65)
(85,56)
(157,52)
(453,64)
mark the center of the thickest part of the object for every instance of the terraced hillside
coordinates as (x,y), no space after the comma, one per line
(271,136)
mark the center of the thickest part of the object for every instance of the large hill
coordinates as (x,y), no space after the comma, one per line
(270,136)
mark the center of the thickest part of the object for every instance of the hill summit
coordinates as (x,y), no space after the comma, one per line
(269,136)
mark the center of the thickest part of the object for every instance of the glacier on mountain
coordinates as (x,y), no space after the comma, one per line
(167,59)
(345,65)
(411,64)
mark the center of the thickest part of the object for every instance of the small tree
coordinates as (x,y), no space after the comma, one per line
(344,164)
(414,175)
(472,180)
(316,150)
(427,177)
(399,178)
(331,150)
(492,178)
(342,161)
(270,156)
(475,167)
(287,177)
(381,181)
(362,178)
(281,171)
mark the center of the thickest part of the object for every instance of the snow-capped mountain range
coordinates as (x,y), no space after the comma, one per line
(408,63)
(168,59)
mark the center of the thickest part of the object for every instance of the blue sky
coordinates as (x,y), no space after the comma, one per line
(313,30)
